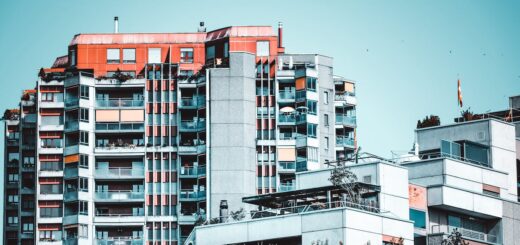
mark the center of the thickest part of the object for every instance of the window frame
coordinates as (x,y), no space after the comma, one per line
(113,61)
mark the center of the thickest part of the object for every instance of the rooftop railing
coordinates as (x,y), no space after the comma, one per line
(466,233)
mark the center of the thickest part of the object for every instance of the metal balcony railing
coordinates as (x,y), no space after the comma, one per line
(467,233)
(120,103)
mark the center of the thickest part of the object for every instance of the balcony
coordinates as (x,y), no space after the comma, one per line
(286,166)
(440,232)
(119,127)
(342,141)
(119,173)
(286,96)
(192,149)
(72,102)
(191,195)
(71,125)
(286,187)
(344,120)
(193,125)
(135,217)
(291,119)
(117,103)
(187,172)
(193,102)
(120,241)
(119,196)
(346,98)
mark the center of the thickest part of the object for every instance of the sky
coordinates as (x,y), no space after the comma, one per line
(405,56)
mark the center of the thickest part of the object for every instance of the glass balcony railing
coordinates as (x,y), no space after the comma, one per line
(72,125)
(120,241)
(286,187)
(301,164)
(119,126)
(292,118)
(195,102)
(119,173)
(120,103)
(199,124)
(191,194)
(123,195)
(71,102)
(193,171)
(345,120)
(287,165)
(344,142)
(287,95)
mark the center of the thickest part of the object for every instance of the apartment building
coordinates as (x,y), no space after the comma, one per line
(132,138)
(466,175)
(318,212)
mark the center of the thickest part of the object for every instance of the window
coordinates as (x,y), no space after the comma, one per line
(326,143)
(326,97)
(83,231)
(312,154)
(311,83)
(311,130)
(326,119)
(83,184)
(186,55)
(226,49)
(210,53)
(12,198)
(50,212)
(72,57)
(83,91)
(12,178)
(51,189)
(128,55)
(113,56)
(50,235)
(83,161)
(83,207)
(186,73)
(419,218)
(476,153)
(28,227)
(47,97)
(262,48)
(28,161)
(12,220)
(367,179)
(311,107)
(83,137)
(154,55)
(83,114)
(51,143)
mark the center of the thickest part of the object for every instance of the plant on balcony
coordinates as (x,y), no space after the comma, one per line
(238,215)
(455,238)
(341,176)
(429,121)
(118,75)
(468,115)
(12,114)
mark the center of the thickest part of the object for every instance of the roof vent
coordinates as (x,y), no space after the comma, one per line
(116,24)
(202,28)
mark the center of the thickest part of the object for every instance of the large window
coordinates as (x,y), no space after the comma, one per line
(83,91)
(186,55)
(418,217)
(50,212)
(128,55)
(83,137)
(51,189)
(476,153)
(83,114)
(311,83)
(53,235)
(210,53)
(113,56)
(262,48)
(312,107)
(311,130)
(154,55)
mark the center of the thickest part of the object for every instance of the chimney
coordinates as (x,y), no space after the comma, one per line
(202,28)
(116,24)
(280,34)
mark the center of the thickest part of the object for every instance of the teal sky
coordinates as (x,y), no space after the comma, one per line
(406,56)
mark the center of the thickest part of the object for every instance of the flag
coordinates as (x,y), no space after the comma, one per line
(459,93)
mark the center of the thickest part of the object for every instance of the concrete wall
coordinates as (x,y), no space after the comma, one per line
(326,84)
(232,133)
(511,223)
